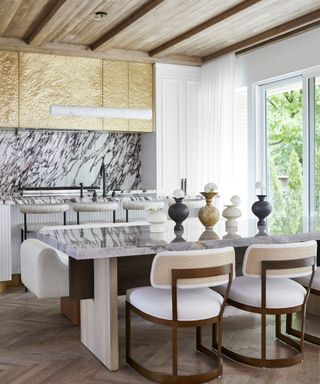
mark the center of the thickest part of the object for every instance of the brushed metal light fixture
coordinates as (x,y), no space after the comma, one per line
(113,113)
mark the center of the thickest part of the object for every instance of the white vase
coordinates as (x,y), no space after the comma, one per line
(231,213)
(157,219)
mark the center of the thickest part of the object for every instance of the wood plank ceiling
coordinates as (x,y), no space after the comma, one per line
(175,31)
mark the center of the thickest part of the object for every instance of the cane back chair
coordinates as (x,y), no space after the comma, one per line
(266,288)
(179,296)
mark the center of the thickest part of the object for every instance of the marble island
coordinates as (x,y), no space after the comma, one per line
(94,242)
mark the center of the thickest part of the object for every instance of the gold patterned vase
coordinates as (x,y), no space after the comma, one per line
(208,215)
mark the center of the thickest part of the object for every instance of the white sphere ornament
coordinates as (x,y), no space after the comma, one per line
(210,187)
(235,200)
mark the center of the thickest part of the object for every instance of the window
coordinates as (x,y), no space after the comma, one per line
(289,156)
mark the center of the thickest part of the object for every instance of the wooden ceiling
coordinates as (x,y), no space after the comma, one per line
(175,31)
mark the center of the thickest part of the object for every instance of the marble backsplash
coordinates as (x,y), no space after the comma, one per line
(31,158)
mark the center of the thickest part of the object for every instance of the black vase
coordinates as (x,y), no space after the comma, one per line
(261,209)
(178,212)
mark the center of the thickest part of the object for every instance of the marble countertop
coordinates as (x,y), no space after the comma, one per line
(19,200)
(69,198)
(88,242)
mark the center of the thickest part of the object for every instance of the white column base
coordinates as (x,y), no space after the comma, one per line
(99,316)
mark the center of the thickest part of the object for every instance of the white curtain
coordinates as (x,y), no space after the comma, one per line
(216,125)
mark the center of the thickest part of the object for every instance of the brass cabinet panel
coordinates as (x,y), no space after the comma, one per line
(127,85)
(140,94)
(9,89)
(115,92)
(49,79)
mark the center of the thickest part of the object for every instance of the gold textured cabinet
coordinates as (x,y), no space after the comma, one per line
(48,79)
(9,116)
(127,85)
(30,83)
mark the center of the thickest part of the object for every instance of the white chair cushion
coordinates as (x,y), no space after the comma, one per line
(142,204)
(193,304)
(281,293)
(95,207)
(44,208)
(316,280)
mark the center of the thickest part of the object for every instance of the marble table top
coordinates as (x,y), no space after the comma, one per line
(97,241)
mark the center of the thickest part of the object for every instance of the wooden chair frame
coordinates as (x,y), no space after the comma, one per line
(174,378)
(295,332)
(264,311)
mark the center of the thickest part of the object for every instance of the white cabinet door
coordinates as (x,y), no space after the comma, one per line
(177,127)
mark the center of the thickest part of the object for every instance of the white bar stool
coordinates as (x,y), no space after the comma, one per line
(95,207)
(140,205)
(42,209)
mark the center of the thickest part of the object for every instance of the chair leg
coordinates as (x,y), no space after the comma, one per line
(127,215)
(174,350)
(278,326)
(25,226)
(198,338)
(78,218)
(263,335)
(22,235)
(295,332)
(128,332)
(64,218)
(214,341)
(114,216)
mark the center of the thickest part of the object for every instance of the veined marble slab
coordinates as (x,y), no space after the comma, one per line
(130,240)
(34,158)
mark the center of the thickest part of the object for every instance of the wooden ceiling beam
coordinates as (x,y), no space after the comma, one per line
(294,32)
(33,36)
(203,26)
(63,49)
(279,31)
(104,41)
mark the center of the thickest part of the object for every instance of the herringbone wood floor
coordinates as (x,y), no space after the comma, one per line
(39,346)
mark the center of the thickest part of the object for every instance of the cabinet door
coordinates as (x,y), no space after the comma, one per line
(140,94)
(115,92)
(48,79)
(170,136)
(193,149)
(178,152)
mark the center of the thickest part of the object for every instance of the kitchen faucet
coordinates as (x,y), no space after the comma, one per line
(103,174)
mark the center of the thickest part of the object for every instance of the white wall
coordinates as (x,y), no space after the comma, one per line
(289,55)
(284,57)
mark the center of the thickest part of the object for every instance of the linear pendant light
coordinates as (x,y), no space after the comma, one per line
(114,113)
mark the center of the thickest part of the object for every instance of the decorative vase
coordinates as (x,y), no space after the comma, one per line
(157,219)
(178,212)
(231,213)
(261,209)
(208,215)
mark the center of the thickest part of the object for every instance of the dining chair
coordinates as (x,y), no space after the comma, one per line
(179,296)
(315,290)
(266,288)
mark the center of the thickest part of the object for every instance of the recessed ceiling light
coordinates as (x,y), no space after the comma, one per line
(99,15)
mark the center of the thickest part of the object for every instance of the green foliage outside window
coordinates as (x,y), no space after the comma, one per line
(285,159)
